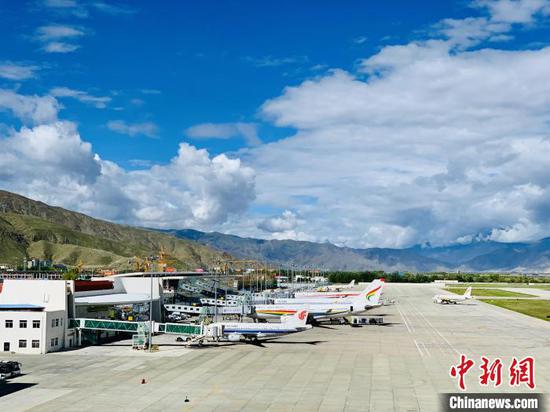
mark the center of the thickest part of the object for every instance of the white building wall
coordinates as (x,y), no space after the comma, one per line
(141,285)
(13,335)
(50,294)
(56,324)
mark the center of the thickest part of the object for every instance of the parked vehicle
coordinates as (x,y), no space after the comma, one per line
(9,369)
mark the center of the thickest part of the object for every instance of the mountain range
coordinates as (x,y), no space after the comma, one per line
(30,228)
(478,256)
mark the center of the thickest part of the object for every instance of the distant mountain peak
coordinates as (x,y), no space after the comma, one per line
(476,253)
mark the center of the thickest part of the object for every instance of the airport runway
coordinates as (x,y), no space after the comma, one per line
(399,367)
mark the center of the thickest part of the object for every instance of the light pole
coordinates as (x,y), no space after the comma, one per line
(216,297)
(151,315)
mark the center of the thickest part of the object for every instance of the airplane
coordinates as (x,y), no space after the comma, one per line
(336,288)
(374,288)
(335,294)
(453,298)
(239,331)
(327,309)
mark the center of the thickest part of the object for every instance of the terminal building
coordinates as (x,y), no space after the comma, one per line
(37,316)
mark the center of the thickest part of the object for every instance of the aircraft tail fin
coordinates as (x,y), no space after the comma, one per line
(372,293)
(297,319)
(352,283)
(468,293)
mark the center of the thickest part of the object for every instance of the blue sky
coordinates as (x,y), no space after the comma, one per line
(210,61)
(320,120)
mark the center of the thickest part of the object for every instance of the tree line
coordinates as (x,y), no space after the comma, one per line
(407,277)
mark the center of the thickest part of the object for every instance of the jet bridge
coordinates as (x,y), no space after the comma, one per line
(135,327)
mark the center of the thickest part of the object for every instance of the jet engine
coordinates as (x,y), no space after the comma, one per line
(234,337)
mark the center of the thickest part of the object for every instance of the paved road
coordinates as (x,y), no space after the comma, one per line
(398,367)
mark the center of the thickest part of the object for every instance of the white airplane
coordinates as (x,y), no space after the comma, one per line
(328,308)
(453,298)
(239,331)
(373,291)
(334,294)
(336,288)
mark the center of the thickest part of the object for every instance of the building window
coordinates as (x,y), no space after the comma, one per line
(52,342)
(56,322)
(53,323)
(35,324)
(35,343)
(22,343)
(9,323)
(56,341)
(22,323)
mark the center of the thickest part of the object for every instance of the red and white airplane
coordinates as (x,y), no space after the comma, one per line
(323,296)
(327,308)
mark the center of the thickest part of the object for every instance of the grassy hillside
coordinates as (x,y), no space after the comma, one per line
(13,245)
(34,229)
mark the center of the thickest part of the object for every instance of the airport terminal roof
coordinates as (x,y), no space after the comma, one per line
(113,299)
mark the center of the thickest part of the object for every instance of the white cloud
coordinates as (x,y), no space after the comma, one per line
(500,17)
(141,163)
(57,38)
(434,143)
(360,40)
(287,221)
(249,131)
(431,140)
(197,190)
(293,235)
(82,10)
(51,162)
(71,7)
(57,31)
(148,129)
(514,11)
(388,235)
(523,229)
(99,102)
(470,31)
(17,71)
(60,47)
(30,109)
(112,9)
(48,153)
